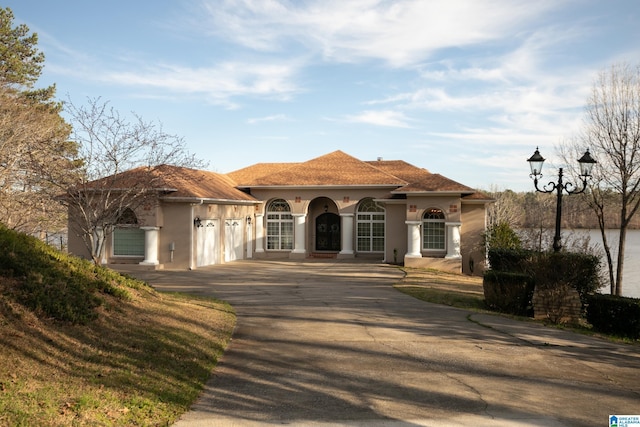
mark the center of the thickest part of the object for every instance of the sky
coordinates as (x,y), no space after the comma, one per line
(464,88)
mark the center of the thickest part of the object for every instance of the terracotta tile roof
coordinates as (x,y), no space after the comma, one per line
(335,168)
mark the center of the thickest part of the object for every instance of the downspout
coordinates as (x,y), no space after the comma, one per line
(192,263)
(191,242)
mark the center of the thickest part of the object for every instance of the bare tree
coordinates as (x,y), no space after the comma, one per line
(110,145)
(33,135)
(506,208)
(612,132)
(33,141)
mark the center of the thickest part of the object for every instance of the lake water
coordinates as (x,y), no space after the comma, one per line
(631,272)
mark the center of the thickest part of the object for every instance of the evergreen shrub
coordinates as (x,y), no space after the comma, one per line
(512,260)
(549,271)
(614,315)
(577,270)
(508,292)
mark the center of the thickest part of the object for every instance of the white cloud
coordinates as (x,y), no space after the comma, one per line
(402,32)
(220,84)
(387,118)
(272,118)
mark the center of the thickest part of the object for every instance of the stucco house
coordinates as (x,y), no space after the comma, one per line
(332,206)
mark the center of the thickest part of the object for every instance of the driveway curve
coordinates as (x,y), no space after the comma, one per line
(330,343)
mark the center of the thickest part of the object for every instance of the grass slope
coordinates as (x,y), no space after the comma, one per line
(82,345)
(443,288)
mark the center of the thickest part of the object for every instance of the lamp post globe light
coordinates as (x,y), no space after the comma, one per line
(536,161)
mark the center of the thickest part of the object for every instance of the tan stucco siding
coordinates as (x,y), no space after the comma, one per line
(312,203)
(345,200)
(473,226)
(75,242)
(177,229)
(395,233)
(418,205)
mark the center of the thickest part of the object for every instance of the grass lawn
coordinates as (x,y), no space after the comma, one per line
(142,361)
(434,286)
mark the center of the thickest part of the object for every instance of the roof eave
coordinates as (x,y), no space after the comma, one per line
(477,201)
(433,193)
(210,200)
(316,187)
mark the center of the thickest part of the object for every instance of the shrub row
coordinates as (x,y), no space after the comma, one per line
(512,260)
(514,274)
(614,315)
(508,292)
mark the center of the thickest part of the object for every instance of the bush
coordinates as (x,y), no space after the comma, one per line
(508,292)
(552,274)
(614,315)
(502,236)
(512,260)
(577,270)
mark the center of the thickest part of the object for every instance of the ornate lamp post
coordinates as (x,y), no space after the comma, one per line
(586,163)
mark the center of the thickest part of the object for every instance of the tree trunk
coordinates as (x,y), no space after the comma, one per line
(620,264)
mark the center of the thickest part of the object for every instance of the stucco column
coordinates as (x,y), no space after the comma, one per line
(150,245)
(299,242)
(346,225)
(413,239)
(259,233)
(453,239)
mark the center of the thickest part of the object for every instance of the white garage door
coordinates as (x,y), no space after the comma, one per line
(232,239)
(208,244)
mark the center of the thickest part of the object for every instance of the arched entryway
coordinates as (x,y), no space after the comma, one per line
(325,235)
(328,232)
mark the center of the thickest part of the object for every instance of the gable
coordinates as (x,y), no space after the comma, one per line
(173,182)
(200,184)
(243,177)
(333,169)
(433,182)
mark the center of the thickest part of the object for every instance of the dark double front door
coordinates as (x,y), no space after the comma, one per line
(328,232)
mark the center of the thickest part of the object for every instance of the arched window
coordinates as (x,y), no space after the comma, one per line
(433,237)
(370,221)
(127,217)
(128,239)
(279,225)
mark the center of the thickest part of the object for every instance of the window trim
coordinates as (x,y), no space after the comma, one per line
(434,216)
(368,208)
(279,217)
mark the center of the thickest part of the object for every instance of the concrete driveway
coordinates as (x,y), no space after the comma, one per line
(330,343)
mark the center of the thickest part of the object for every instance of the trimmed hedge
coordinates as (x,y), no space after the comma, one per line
(508,292)
(579,271)
(614,315)
(512,260)
(516,272)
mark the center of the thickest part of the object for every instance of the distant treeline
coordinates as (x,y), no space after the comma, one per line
(538,210)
